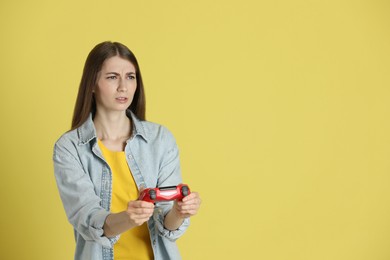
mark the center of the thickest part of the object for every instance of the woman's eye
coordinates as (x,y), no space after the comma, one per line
(131,77)
(111,77)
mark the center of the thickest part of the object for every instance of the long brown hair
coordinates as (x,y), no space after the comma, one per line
(85,102)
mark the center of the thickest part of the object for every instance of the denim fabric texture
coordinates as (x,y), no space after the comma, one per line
(84,182)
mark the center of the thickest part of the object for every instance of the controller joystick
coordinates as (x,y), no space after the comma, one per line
(184,191)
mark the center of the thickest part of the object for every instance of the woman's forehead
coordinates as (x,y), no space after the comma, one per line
(117,63)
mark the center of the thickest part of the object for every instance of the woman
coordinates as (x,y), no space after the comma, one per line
(108,156)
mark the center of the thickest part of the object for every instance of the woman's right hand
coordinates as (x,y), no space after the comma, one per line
(139,211)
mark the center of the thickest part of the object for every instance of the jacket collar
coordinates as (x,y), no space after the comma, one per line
(87,131)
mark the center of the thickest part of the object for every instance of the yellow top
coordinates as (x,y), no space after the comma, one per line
(134,243)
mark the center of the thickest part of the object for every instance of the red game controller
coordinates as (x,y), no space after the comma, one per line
(165,193)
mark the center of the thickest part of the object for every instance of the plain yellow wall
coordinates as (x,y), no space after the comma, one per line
(280,109)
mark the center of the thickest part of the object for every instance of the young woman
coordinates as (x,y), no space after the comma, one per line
(108,156)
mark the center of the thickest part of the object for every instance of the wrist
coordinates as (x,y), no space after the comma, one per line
(176,214)
(173,220)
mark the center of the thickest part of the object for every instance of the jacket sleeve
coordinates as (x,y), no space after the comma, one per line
(169,175)
(82,205)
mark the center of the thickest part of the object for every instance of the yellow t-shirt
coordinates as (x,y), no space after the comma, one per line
(134,243)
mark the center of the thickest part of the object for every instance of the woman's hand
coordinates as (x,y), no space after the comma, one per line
(188,207)
(139,212)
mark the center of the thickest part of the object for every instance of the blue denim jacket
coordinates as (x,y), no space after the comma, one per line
(84,182)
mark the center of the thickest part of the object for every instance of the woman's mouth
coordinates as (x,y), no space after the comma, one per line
(121,99)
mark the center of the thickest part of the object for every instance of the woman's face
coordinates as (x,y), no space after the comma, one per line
(116,85)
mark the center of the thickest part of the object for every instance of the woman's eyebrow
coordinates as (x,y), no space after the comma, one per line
(116,73)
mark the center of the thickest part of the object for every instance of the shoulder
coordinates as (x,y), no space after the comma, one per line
(156,129)
(149,130)
(77,138)
(70,136)
(154,132)
(67,143)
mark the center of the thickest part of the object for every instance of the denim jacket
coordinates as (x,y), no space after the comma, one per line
(84,182)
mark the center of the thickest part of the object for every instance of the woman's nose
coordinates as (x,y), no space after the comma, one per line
(122,86)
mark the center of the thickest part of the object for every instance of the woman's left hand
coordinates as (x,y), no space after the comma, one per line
(188,207)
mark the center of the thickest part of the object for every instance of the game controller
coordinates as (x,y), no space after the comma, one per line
(165,193)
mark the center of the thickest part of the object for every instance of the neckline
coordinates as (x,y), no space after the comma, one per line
(105,149)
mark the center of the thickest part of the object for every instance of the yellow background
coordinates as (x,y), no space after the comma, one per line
(280,109)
